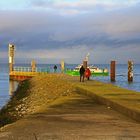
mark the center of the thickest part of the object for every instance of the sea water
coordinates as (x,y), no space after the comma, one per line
(4,84)
(7,87)
(121,76)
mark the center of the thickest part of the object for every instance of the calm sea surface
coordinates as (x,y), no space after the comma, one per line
(4,84)
(7,87)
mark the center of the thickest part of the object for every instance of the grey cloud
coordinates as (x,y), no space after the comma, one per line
(76,54)
(82,5)
(103,34)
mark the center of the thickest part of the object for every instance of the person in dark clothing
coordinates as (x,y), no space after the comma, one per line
(55,68)
(82,73)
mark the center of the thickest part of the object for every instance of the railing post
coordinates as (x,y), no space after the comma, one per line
(130,71)
(112,71)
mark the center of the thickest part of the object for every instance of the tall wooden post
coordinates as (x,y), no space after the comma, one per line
(85,61)
(33,66)
(62,66)
(112,71)
(11,56)
(85,64)
(130,71)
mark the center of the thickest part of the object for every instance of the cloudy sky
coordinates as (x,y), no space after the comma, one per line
(52,30)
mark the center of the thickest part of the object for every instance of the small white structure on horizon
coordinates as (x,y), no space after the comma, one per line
(87,57)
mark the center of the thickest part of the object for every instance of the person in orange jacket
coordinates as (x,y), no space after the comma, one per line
(87,73)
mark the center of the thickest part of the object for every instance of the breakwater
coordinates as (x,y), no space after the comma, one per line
(46,103)
(32,95)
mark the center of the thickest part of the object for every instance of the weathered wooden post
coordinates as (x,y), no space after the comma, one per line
(112,71)
(33,66)
(85,63)
(62,66)
(11,56)
(130,71)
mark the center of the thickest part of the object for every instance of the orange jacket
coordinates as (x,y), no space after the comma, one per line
(87,73)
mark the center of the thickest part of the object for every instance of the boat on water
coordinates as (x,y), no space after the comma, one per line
(95,71)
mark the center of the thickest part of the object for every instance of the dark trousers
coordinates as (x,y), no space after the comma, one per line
(82,77)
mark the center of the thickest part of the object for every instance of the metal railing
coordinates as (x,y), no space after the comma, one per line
(29,69)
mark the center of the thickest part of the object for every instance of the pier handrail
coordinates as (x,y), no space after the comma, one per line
(29,69)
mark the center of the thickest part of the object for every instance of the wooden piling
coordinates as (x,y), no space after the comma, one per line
(62,66)
(130,71)
(85,64)
(112,71)
(33,66)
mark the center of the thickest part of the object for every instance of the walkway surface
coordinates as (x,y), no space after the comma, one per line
(77,118)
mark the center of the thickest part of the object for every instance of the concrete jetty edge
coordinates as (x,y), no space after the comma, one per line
(122,108)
